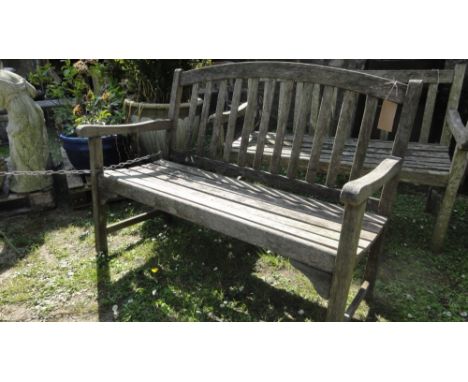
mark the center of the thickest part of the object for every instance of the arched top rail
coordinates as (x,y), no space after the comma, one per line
(359,82)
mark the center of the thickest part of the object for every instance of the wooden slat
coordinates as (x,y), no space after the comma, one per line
(173,112)
(191,136)
(305,94)
(454,100)
(345,123)
(286,88)
(268,94)
(249,120)
(428,76)
(216,136)
(204,118)
(314,111)
(364,136)
(324,117)
(232,119)
(428,113)
(132,220)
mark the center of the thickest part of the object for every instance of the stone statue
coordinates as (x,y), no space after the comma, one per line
(27,134)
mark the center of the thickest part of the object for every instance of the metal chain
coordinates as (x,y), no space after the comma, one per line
(80,172)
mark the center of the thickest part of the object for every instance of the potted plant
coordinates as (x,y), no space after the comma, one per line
(149,85)
(89,95)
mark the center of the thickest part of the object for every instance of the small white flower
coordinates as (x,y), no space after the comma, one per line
(70,274)
(229,245)
(447,313)
(130,300)
(241,288)
(215,269)
(115,310)
(464,314)
(300,312)
(154,292)
(410,315)
(165,226)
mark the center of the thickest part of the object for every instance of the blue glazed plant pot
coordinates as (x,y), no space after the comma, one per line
(78,151)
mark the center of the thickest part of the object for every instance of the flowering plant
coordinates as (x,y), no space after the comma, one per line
(87,94)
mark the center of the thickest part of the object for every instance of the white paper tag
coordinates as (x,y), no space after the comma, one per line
(387,116)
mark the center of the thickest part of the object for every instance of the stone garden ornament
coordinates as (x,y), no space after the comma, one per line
(26,131)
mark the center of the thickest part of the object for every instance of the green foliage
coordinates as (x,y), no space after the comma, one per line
(151,80)
(90,94)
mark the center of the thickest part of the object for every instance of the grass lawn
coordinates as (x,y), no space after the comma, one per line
(175,271)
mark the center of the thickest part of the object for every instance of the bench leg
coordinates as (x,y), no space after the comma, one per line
(372,265)
(457,171)
(345,260)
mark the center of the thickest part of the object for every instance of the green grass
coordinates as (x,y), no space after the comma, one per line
(175,271)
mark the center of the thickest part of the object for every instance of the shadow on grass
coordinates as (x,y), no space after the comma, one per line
(196,275)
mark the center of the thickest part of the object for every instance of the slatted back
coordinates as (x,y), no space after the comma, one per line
(441,92)
(280,99)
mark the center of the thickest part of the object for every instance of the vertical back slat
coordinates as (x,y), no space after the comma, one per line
(215,137)
(232,119)
(174,106)
(314,110)
(204,117)
(364,136)
(347,114)
(284,107)
(268,94)
(249,120)
(192,116)
(323,121)
(303,96)
(428,113)
(454,99)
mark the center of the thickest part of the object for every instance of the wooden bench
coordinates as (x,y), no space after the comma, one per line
(428,161)
(323,230)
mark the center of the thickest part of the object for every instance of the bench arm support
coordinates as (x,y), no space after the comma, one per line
(225,116)
(459,132)
(129,128)
(359,190)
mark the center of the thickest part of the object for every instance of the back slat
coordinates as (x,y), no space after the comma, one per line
(192,116)
(453,101)
(345,123)
(314,111)
(428,113)
(249,120)
(204,117)
(285,96)
(323,121)
(232,119)
(268,94)
(303,107)
(364,136)
(215,137)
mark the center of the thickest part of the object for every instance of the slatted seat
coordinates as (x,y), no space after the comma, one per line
(309,229)
(425,163)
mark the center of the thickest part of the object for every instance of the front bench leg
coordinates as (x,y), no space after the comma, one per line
(99,203)
(345,259)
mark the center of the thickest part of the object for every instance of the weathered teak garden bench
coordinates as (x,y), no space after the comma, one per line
(426,163)
(322,229)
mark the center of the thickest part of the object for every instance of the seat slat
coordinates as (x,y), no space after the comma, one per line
(268,94)
(249,120)
(232,119)
(286,88)
(364,136)
(325,115)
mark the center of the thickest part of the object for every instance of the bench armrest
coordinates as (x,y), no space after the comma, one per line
(129,128)
(459,132)
(225,116)
(359,190)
